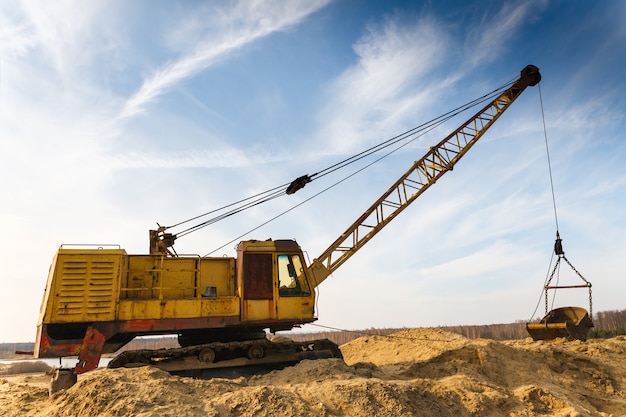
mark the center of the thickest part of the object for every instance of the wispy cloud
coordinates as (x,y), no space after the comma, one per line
(385,85)
(227,158)
(498,256)
(16,40)
(577,122)
(494,33)
(66,32)
(395,76)
(236,27)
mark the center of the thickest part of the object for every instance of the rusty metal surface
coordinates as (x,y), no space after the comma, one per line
(90,351)
(569,322)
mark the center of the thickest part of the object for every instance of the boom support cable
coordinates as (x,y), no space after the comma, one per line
(424,127)
(290,188)
(314,195)
(265,197)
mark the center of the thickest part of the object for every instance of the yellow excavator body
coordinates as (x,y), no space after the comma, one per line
(123,296)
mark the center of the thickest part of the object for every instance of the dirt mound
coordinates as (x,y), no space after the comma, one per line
(405,346)
(143,391)
(19,399)
(426,372)
(307,371)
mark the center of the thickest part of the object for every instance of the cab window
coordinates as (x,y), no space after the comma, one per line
(292,281)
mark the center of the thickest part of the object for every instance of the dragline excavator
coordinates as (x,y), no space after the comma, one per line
(99,298)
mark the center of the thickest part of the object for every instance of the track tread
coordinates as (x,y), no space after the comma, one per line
(228,354)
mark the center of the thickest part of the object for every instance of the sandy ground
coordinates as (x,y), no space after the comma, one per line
(419,372)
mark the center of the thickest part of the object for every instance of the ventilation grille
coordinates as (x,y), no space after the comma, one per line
(86,287)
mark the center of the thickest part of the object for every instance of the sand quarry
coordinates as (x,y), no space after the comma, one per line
(418,372)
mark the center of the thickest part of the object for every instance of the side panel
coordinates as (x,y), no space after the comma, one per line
(172,309)
(179,278)
(84,287)
(158,287)
(151,277)
(218,273)
(258,287)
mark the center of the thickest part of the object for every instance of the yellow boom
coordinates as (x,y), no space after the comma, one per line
(440,159)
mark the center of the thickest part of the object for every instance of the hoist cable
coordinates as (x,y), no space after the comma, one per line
(549,275)
(545,283)
(545,135)
(557,268)
(558,249)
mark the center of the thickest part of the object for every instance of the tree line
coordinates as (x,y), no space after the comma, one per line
(607,324)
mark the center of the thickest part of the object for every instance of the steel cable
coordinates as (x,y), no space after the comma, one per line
(408,136)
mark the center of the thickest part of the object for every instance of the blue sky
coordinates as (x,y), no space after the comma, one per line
(116,115)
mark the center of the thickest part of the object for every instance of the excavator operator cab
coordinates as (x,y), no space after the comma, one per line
(291,278)
(273,283)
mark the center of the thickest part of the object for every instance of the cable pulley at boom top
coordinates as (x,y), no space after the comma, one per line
(162,242)
(569,322)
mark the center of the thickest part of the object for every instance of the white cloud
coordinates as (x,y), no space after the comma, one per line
(203,158)
(572,126)
(486,42)
(15,40)
(235,28)
(65,32)
(385,86)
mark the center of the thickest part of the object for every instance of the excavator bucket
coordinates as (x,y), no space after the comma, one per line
(569,322)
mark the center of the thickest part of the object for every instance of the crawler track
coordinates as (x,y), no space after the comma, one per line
(233,358)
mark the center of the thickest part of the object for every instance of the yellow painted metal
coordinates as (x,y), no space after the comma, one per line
(84,284)
(92,285)
(220,306)
(218,273)
(256,246)
(275,306)
(150,277)
(178,308)
(159,287)
(95,285)
(254,310)
(139,309)
(295,307)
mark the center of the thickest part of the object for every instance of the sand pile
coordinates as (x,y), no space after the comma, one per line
(425,372)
